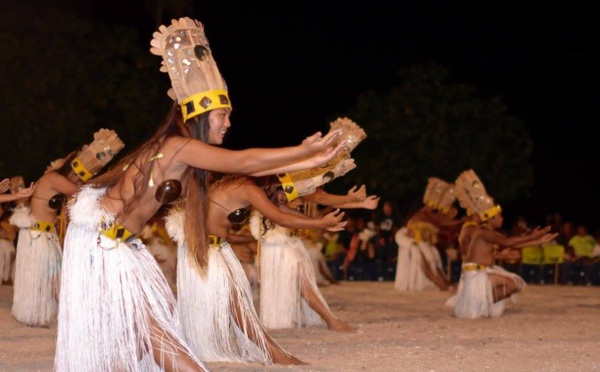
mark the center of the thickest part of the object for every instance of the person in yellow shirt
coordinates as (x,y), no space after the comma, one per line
(582,244)
(579,257)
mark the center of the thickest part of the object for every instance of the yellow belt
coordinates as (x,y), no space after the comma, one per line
(215,240)
(43,226)
(473,267)
(118,232)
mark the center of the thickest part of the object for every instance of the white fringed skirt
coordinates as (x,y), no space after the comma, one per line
(112,294)
(475,297)
(37,272)
(285,267)
(209,300)
(409,274)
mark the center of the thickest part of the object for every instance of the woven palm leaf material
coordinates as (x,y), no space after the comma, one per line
(296,184)
(96,155)
(196,83)
(439,194)
(472,196)
(352,134)
(304,182)
(17,183)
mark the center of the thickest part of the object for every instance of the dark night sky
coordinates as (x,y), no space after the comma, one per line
(291,65)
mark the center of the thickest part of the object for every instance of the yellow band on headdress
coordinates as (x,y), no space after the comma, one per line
(204,101)
(470,223)
(430,204)
(490,213)
(287,184)
(443,209)
(80,170)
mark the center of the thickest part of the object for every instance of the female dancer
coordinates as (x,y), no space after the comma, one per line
(117,311)
(484,287)
(20,194)
(39,251)
(419,263)
(216,306)
(8,232)
(289,295)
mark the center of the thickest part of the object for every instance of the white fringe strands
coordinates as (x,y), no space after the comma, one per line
(209,300)
(475,298)
(37,272)
(114,300)
(409,274)
(285,267)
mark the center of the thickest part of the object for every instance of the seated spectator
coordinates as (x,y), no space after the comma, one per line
(333,252)
(578,261)
(596,251)
(565,233)
(314,245)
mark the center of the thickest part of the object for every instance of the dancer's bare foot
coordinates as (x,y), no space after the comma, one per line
(339,326)
(282,358)
(452,289)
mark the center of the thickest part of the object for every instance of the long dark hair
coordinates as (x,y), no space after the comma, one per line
(65,169)
(194,180)
(271,185)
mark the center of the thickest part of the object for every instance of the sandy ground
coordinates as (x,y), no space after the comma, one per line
(550,328)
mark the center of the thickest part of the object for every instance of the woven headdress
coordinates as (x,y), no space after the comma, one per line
(17,183)
(472,196)
(196,83)
(295,184)
(351,135)
(96,155)
(439,194)
(306,181)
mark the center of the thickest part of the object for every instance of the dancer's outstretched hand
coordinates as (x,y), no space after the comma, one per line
(334,221)
(4,185)
(25,193)
(358,194)
(317,143)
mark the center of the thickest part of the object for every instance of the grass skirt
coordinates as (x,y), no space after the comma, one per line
(110,292)
(285,267)
(409,274)
(209,299)
(37,273)
(475,298)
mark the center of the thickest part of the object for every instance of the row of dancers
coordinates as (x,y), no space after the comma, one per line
(484,289)
(80,256)
(79,247)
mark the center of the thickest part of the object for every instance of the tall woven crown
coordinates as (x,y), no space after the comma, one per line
(448,198)
(196,83)
(473,197)
(351,135)
(17,183)
(93,157)
(304,182)
(439,194)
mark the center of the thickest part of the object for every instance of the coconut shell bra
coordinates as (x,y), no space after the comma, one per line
(168,191)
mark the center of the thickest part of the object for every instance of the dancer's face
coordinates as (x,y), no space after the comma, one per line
(219,123)
(497,221)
